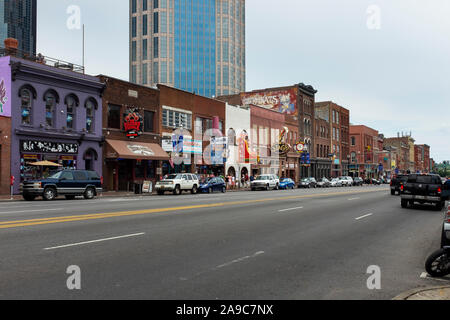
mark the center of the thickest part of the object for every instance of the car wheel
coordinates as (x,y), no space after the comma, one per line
(29,197)
(49,194)
(89,194)
(194,190)
(267,188)
(224,190)
(277,187)
(404,203)
(253,189)
(177,190)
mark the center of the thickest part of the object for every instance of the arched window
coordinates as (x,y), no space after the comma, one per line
(26,105)
(50,106)
(90,105)
(231,137)
(71,104)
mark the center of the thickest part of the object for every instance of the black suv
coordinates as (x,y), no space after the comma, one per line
(68,183)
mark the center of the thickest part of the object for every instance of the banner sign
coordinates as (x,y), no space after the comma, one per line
(48,147)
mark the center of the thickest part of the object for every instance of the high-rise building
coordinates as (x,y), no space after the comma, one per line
(18,20)
(193,45)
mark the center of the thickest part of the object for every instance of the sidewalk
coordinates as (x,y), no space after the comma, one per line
(432,293)
(113,194)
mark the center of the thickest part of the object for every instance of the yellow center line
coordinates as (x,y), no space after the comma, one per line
(83,217)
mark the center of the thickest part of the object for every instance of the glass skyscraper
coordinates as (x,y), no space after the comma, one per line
(18,20)
(193,45)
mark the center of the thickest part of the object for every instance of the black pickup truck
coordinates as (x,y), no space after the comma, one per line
(396,182)
(426,188)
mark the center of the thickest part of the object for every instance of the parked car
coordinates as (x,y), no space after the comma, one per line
(426,188)
(308,183)
(68,183)
(335,182)
(324,183)
(266,182)
(213,184)
(375,181)
(396,182)
(346,181)
(287,183)
(177,183)
(357,181)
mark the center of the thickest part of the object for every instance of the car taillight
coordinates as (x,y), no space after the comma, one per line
(402,187)
(101,180)
(448,214)
(439,190)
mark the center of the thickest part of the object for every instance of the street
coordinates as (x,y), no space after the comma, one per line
(293,244)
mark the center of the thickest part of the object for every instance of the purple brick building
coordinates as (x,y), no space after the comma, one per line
(56,115)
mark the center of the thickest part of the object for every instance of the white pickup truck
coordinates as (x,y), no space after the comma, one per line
(177,183)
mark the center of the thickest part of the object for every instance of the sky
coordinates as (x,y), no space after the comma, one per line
(386,61)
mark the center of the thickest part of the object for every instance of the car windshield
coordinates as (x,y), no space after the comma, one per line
(173,176)
(305,180)
(262,178)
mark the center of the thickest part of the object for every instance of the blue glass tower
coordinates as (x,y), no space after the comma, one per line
(193,45)
(18,20)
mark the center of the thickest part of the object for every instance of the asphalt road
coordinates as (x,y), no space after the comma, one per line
(294,244)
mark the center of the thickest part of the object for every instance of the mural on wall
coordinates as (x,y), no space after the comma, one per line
(5,88)
(283,101)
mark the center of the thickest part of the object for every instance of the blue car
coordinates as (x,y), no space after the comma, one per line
(287,183)
(213,184)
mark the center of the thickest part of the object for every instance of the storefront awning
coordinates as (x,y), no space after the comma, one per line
(117,149)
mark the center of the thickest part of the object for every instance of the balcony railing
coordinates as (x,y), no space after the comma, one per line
(52,62)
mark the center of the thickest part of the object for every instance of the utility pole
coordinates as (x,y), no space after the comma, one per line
(84,70)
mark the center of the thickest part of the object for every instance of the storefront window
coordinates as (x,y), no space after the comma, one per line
(139,170)
(26,106)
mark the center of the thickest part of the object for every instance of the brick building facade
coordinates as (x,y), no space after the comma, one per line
(296,103)
(130,158)
(203,118)
(364,152)
(339,123)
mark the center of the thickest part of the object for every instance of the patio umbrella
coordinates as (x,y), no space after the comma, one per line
(45,164)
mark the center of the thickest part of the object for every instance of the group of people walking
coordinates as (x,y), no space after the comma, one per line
(233,183)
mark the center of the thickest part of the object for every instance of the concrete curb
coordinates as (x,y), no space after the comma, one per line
(410,293)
